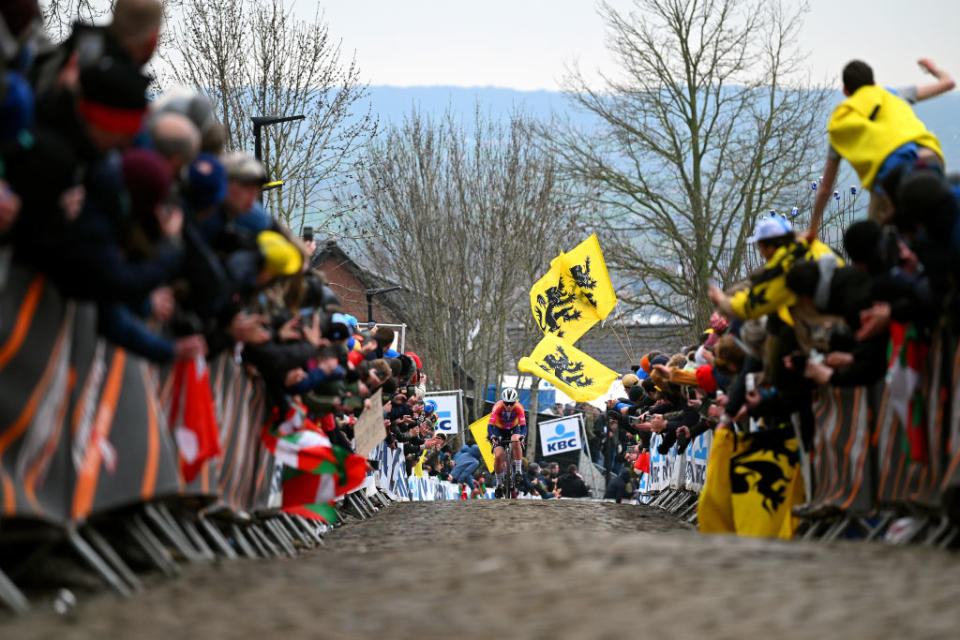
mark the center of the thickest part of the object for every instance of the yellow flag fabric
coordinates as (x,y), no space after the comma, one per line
(568,369)
(418,468)
(575,294)
(753,482)
(588,270)
(479,431)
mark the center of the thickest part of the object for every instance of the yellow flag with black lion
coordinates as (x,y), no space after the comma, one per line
(568,369)
(575,294)
(753,482)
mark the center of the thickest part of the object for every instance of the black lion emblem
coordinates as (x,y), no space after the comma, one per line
(566,371)
(554,306)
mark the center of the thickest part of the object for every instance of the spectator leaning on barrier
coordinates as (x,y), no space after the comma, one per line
(571,484)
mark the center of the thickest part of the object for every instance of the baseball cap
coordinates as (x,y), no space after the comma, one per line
(770,227)
(243,168)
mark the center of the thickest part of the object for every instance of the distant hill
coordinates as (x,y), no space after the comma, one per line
(393,103)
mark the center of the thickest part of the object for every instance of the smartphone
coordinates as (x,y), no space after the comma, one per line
(751,382)
(307,234)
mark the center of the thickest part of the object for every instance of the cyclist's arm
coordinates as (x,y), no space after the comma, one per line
(495,419)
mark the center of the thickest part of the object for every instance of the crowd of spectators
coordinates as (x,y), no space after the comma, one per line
(815,315)
(131,202)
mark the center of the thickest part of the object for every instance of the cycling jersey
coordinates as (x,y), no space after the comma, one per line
(508,418)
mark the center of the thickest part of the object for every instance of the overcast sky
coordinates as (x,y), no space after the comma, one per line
(524,44)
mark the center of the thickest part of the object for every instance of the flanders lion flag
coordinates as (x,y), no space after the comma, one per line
(568,369)
(753,481)
(479,431)
(575,294)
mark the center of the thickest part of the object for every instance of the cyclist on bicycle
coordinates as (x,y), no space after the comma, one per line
(508,423)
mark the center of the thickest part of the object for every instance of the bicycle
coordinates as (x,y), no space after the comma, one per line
(510,490)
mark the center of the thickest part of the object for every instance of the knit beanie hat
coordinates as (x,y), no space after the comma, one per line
(645,364)
(147,179)
(206,182)
(416,359)
(705,379)
(636,393)
(113,95)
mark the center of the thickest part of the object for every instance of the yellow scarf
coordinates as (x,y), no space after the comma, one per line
(866,141)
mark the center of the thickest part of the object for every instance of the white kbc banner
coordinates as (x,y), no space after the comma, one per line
(560,436)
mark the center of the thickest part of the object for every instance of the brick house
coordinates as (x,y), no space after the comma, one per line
(350,281)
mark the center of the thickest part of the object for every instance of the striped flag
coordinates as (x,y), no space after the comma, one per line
(315,472)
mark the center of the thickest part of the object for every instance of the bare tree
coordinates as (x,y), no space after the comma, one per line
(257,59)
(468,218)
(60,15)
(706,124)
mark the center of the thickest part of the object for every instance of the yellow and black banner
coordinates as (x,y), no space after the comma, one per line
(575,294)
(568,369)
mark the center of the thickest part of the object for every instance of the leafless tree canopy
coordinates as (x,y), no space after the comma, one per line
(256,58)
(467,217)
(704,125)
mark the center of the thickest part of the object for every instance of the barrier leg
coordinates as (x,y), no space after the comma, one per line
(350,502)
(878,529)
(193,535)
(949,539)
(216,537)
(298,532)
(281,536)
(11,596)
(937,532)
(365,499)
(175,527)
(175,537)
(97,563)
(691,508)
(246,547)
(151,546)
(312,527)
(816,527)
(112,557)
(837,529)
(262,541)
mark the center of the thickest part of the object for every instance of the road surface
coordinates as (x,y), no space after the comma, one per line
(531,569)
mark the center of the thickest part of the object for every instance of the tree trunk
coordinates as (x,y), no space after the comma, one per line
(532,419)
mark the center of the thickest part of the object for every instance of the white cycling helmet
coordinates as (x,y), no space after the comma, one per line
(509,394)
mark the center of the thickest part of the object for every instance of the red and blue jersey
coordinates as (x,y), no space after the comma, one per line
(508,418)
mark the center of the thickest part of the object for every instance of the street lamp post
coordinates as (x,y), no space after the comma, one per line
(375,292)
(261,121)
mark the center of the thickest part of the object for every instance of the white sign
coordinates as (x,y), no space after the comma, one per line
(698,452)
(560,436)
(659,465)
(448,411)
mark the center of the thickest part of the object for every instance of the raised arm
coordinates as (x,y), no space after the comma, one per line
(943,84)
(824,192)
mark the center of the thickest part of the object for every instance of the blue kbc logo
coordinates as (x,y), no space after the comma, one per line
(561,440)
(443,424)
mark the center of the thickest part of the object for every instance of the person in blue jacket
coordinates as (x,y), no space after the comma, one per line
(465,463)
